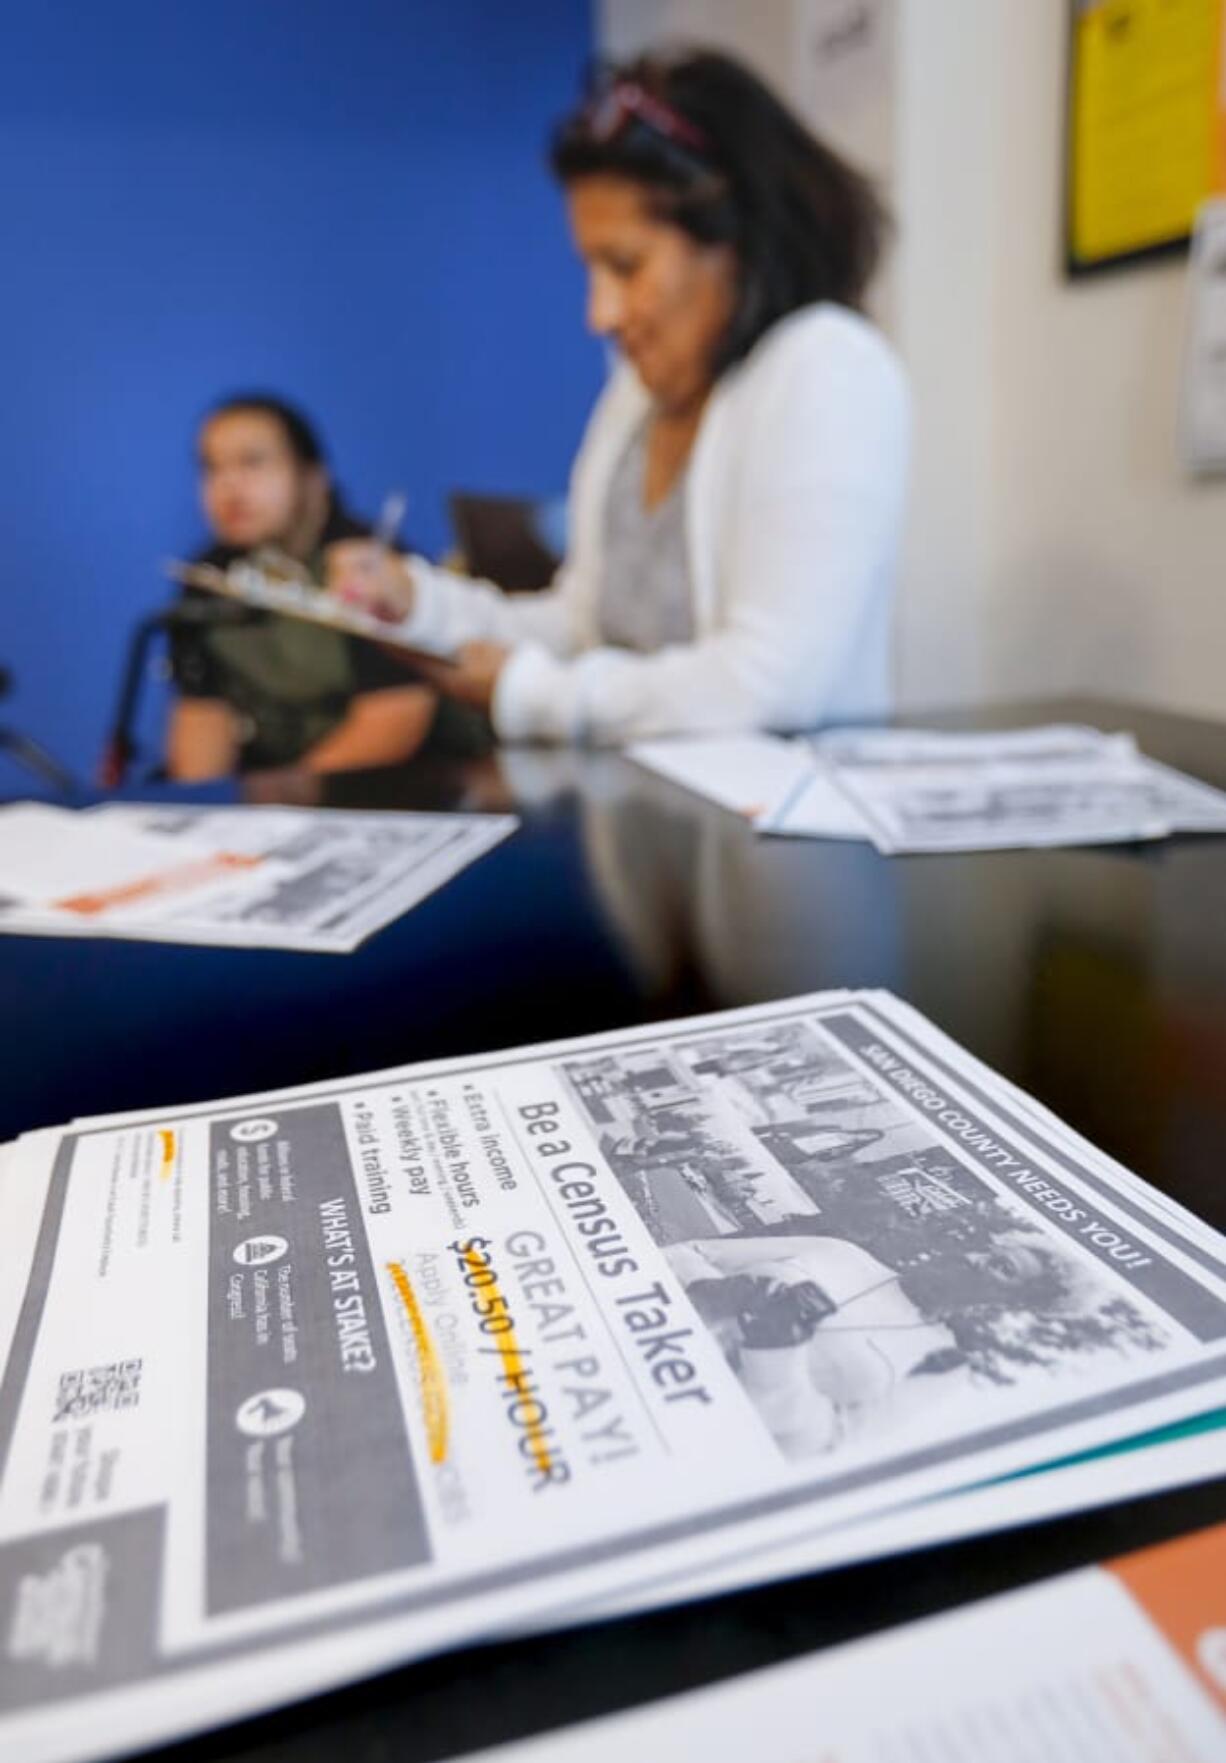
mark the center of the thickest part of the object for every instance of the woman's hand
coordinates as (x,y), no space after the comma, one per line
(366,574)
(471,677)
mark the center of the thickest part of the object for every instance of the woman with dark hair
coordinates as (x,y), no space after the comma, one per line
(276,691)
(736,503)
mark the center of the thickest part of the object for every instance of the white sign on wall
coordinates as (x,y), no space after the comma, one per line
(1203,404)
(846,59)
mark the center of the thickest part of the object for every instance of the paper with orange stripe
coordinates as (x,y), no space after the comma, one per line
(1074,1668)
(1181,1586)
(258,877)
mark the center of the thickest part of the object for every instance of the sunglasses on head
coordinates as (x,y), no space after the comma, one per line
(625,101)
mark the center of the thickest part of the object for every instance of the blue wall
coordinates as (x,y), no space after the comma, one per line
(341,201)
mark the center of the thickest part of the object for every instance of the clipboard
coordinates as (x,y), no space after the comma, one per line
(250,586)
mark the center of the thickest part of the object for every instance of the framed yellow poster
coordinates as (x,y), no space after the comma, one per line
(1146,126)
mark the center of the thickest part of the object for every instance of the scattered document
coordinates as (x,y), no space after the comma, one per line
(264,591)
(271,878)
(1032,787)
(1124,1663)
(302,1384)
(910,790)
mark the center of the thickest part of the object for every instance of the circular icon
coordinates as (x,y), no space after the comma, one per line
(248,1132)
(268,1413)
(1211,1652)
(258,1251)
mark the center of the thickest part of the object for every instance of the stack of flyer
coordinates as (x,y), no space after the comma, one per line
(265,878)
(911,790)
(304,1384)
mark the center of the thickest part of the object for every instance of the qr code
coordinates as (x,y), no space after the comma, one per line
(102,1389)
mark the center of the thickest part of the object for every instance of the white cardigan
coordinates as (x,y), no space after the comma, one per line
(794,502)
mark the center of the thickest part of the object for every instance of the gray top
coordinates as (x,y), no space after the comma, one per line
(644,601)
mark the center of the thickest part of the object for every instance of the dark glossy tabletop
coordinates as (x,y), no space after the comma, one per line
(1094,977)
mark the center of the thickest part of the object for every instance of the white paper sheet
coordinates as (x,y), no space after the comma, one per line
(816,808)
(748,773)
(367,1369)
(1120,1664)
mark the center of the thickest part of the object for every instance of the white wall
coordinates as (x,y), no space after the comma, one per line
(760,30)
(945,208)
(1108,565)
(1054,544)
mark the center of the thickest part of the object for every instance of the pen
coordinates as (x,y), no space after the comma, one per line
(390,516)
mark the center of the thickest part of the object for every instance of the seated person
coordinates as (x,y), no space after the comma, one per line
(274,691)
(737,502)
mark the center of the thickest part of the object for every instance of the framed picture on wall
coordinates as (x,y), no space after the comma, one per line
(1146,126)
